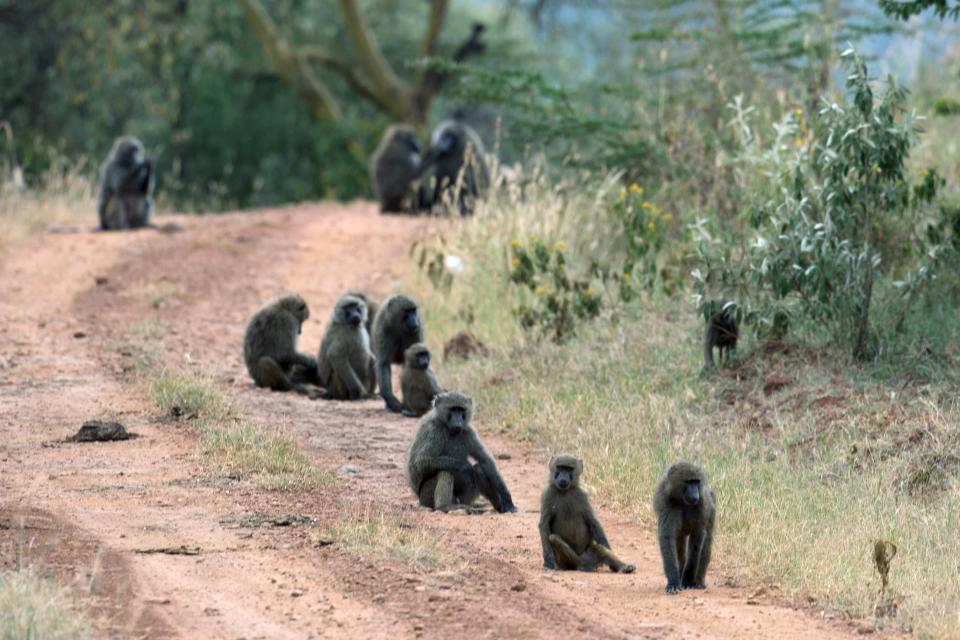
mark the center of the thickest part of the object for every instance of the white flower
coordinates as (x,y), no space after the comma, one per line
(454,264)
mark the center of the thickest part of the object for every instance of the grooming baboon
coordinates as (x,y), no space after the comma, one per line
(570,532)
(418,382)
(396,327)
(372,308)
(346,364)
(395,168)
(721,332)
(270,347)
(460,164)
(125,199)
(438,465)
(686,508)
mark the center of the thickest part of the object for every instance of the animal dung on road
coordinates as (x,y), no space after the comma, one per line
(101,431)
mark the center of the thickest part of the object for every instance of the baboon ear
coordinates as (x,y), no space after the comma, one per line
(579,466)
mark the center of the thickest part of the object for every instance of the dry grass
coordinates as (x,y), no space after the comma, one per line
(379,534)
(31,607)
(807,477)
(66,198)
(159,295)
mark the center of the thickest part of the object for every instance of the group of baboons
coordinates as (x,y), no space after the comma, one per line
(448,467)
(402,175)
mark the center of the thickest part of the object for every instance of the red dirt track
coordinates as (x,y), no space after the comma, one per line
(70,307)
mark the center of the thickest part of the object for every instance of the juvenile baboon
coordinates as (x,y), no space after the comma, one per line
(395,168)
(721,332)
(372,308)
(459,164)
(346,364)
(418,382)
(438,465)
(686,508)
(570,532)
(396,327)
(270,346)
(125,199)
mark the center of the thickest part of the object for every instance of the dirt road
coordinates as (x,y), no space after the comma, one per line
(73,310)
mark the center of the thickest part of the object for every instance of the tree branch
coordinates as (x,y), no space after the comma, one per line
(288,65)
(318,55)
(431,81)
(389,87)
(438,15)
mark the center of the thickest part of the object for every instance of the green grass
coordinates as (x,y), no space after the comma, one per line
(381,535)
(807,477)
(35,608)
(179,394)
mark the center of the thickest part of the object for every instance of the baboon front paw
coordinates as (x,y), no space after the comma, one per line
(627,568)
(673,588)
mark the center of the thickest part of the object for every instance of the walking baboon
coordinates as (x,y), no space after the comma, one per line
(418,382)
(686,508)
(345,362)
(372,308)
(460,164)
(396,327)
(395,168)
(721,332)
(570,532)
(125,199)
(270,346)
(438,465)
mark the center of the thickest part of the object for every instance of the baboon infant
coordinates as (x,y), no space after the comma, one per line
(418,382)
(270,346)
(439,470)
(570,532)
(396,327)
(686,508)
(125,198)
(346,365)
(721,332)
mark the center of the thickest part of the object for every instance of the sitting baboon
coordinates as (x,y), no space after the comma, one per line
(270,346)
(418,382)
(396,327)
(459,164)
(686,508)
(346,364)
(438,465)
(721,332)
(372,308)
(125,199)
(395,170)
(570,532)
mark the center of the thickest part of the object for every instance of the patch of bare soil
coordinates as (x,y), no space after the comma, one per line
(75,313)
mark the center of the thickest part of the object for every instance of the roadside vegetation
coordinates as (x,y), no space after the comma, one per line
(33,607)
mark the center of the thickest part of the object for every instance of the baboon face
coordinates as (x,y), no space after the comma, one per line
(447,141)
(565,471)
(350,310)
(129,151)
(406,139)
(409,319)
(455,410)
(686,480)
(295,305)
(417,356)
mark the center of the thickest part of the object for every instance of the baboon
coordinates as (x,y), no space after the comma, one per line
(438,465)
(460,165)
(345,363)
(570,532)
(270,347)
(686,508)
(721,332)
(396,327)
(418,382)
(372,308)
(395,168)
(125,199)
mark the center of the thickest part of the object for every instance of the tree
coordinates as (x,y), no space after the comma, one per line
(367,73)
(906,10)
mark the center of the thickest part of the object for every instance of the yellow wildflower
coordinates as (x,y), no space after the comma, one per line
(799,142)
(635,188)
(623,193)
(560,246)
(647,205)
(542,290)
(626,275)
(651,226)
(798,112)
(516,244)
(515,262)
(667,217)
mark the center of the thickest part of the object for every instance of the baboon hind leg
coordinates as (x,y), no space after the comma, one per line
(443,498)
(271,375)
(567,558)
(608,558)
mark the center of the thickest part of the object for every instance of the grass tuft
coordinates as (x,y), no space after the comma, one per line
(187,394)
(379,534)
(31,607)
